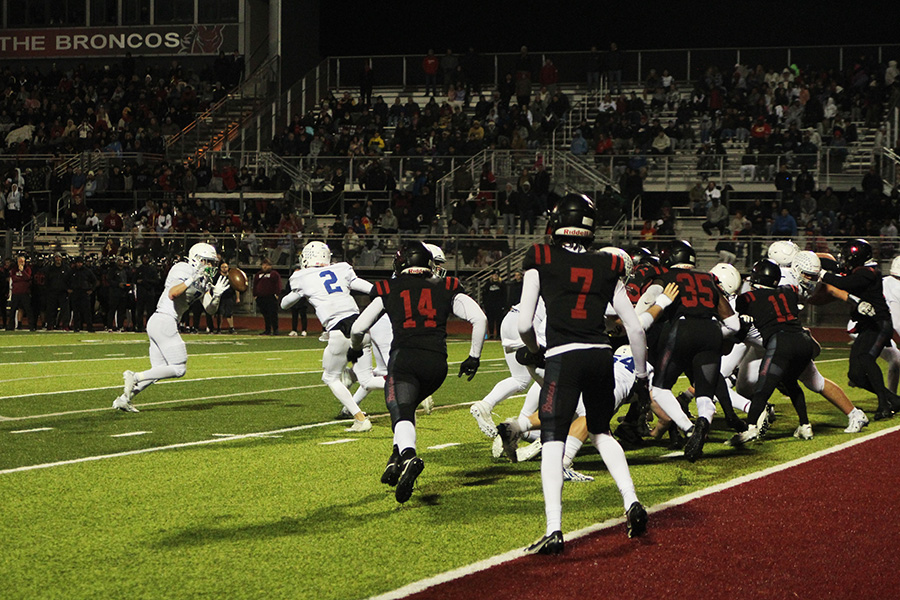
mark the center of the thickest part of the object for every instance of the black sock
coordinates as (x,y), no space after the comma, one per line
(407,454)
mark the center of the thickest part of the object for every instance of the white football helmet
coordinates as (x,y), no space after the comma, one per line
(203,256)
(626,258)
(895,266)
(438,258)
(728,277)
(315,254)
(782,252)
(623,351)
(806,267)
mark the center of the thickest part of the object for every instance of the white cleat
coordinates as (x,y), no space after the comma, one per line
(428,405)
(360,426)
(857,420)
(570,474)
(529,451)
(497,447)
(292,334)
(739,439)
(804,432)
(122,403)
(130,382)
(323,337)
(484,419)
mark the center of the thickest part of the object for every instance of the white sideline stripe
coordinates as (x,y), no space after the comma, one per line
(32,430)
(131,433)
(672,455)
(172,381)
(224,434)
(419,586)
(442,446)
(263,434)
(341,441)
(122,354)
(231,395)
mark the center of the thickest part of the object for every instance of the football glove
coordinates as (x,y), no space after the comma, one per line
(221,287)
(641,389)
(353,354)
(533,359)
(469,367)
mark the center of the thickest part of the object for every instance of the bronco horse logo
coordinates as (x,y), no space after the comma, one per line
(202,39)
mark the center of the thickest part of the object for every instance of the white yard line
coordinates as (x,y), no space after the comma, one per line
(131,434)
(442,446)
(341,441)
(419,586)
(32,430)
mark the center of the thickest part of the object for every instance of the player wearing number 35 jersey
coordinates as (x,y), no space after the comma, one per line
(418,306)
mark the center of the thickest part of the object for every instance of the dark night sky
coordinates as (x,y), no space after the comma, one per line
(411,27)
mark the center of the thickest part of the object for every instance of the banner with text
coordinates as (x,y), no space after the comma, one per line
(116,41)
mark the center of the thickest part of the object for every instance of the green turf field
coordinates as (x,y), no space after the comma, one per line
(235,482)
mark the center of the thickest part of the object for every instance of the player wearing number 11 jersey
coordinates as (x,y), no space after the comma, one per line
(418,306)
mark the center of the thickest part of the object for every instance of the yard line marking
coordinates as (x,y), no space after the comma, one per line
(419,586)
(14,352)
(245,436)
(672,455)
(224,434)
(63,353)
(131,433)
(122,354)
(341,441)
(32,430)
(273,359)
(442,446)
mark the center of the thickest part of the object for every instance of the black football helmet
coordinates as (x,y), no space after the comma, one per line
(572,220)
(640,255)
(679,252)
(766,273)
(413,258)
(855,253)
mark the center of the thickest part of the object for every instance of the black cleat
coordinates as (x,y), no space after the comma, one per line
(737,423)
(693,449)
(509,434)
(636,520)
(411,469)
(883,413)
(344,415)
(676,438)
(549,544)
(684,400)
(392,470)
(630,434)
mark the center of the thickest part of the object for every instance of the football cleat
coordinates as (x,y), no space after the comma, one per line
(428,405)
(676,438)
(392,469)
(360,426)
(482,415)
(570,474)
(763,423)
(804,432)
(411,469)
(636,519)
(630,434)
(130,382)
(857,420)
(693,449)
(344,414)
(739,439)
(770,413)
(549,544)
(528,452)
(509,433)
(122,403)
(497,447)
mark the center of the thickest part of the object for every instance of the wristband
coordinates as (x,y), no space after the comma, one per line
(663,301)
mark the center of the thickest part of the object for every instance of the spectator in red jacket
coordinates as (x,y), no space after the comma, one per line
(430,65)
(549,76)
(20,282)
(112,221)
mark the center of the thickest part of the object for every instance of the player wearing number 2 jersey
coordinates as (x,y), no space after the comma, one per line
(328,288)
(577,286)
(418,306)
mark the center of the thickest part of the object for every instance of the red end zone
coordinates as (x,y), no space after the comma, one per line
(822,529)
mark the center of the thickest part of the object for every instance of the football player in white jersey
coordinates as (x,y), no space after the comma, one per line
(328,287)
(891,287)
(185,283)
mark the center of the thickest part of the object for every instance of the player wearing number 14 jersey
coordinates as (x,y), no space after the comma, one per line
(418,306)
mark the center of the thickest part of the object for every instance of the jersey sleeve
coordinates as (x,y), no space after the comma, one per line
(538,255)
(453,286)
(380,289)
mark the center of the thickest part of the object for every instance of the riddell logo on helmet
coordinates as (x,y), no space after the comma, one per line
(573,231)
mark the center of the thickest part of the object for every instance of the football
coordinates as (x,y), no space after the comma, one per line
(238,279)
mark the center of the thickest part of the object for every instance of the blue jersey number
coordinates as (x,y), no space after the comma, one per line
(330,279)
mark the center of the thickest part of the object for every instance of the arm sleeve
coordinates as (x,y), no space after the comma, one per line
(636,337)
(531,291)
(466,308)
(290,300)
(648,298)
(365,320)
(854,282)
(361,285)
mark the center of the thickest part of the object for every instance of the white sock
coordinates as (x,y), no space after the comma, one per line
(531,436)
(405,435)
(360,393)
(706,408)
(617,465)
(524,424)
(573,445)
(341,392)
(161,372)
(741,403)
(552,483)
(667,402)
(503,390)
(530,406)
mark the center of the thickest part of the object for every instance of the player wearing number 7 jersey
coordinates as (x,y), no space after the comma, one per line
(328,288)
(418,306)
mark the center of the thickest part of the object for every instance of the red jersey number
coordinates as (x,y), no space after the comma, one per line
(587,275)
(425,308)
(695,291)
(782,316)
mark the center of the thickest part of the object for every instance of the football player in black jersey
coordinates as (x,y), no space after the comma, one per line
(577,286)
(789,349)
(862,280)
(418,306)
(691,341)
